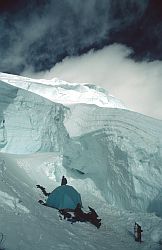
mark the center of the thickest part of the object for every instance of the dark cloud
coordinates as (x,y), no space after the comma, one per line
(11,5)
(39,33)
(144,35)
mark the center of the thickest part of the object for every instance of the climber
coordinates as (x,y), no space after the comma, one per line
(3,134)
(64,180)
(137,232)
(2,124)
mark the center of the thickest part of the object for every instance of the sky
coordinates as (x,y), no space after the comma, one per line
(114,44)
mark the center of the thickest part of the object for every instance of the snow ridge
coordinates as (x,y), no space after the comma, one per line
(63,92)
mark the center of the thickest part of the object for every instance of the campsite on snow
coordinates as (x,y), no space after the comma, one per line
(110,196)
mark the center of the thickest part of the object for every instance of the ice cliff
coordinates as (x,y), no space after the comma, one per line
(119,150)
(32,123)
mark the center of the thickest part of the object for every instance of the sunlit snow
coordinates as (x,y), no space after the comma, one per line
(63,92)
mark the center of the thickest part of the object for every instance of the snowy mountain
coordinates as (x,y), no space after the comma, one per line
(113,156)
(63,92)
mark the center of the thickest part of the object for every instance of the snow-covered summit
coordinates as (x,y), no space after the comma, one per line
(63,92)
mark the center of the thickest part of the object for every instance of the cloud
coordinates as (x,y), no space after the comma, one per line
(137,84)
(16,38)
(39,35)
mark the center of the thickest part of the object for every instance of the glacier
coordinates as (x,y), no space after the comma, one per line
(117,148)
(107,151)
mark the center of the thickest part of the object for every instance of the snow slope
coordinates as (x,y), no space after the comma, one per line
(29,225)
(111,155)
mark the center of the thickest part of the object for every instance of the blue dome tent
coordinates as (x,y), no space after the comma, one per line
(64,197)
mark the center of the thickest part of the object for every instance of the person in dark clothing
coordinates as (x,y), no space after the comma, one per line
(63,181)
(137,232)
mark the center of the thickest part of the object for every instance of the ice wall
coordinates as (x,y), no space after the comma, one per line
(121,151)
(32,123)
